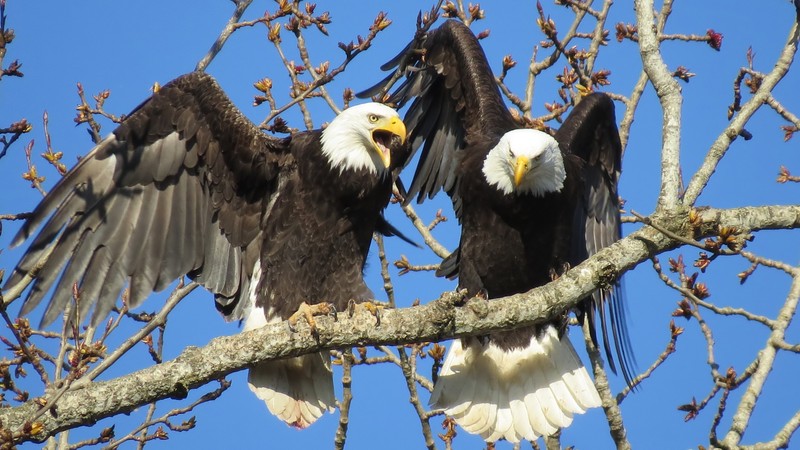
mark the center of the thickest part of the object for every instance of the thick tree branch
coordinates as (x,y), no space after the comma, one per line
(638,89)
(435,321)
(669,94)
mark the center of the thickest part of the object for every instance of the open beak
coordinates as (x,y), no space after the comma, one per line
(522,166)
(384,133)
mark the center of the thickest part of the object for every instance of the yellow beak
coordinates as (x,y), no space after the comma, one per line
(521,167)
(394,126)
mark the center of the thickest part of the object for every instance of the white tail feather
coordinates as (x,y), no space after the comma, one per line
(578,382)
(519,412)
(296,390)
(539,423)
(514,395)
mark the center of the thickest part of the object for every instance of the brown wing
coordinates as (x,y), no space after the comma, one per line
(182,186)
(457,107)
(590,133)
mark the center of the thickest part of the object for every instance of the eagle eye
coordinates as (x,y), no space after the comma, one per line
(373,118)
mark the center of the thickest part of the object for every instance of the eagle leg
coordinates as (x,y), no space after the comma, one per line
(373,308)
(308,312)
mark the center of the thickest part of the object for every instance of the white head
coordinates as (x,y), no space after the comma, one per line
(525,161)
(360,137)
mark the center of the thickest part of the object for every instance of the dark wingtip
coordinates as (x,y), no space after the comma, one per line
(401,189)
(387,229)
(622,351)
(226,306)
(608,306)
(375,89)
(394,62)
(448,268)
(389,65)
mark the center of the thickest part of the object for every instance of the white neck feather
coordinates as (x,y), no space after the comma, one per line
(546,174)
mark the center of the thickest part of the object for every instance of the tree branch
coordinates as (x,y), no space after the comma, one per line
(435,321)
(741,418)
(241,7)
(723,142)
(669,94)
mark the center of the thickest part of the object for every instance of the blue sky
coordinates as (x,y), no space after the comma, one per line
(127,46)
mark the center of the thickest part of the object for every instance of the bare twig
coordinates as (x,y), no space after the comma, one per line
(430,241)
(662,357)
(24,346)
(408,364)
(187,425)
(721,145)
(741,417)
(610,405)
(340,438)
(241,7)
(350,50)
(158,320)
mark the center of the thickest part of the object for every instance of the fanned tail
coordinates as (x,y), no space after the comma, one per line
(514,394)
(296,390)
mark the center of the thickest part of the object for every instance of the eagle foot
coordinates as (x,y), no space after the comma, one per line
(556,273)
(308,312)
(397,197)
(480,307)
(374,309)
(462,296)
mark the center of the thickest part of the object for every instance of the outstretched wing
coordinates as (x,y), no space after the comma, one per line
(590,133)
(181,187)
(457,111)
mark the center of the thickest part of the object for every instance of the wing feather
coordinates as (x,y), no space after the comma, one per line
(455,102)
(590,133)
(180,187)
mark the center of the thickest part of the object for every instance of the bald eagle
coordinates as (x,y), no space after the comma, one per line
(530,206)
(186,185)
